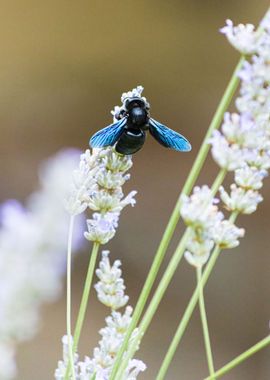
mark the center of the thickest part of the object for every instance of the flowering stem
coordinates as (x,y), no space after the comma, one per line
(69,335)
(239,359)
(215,123)
(218,181)
(189,310)
(84,301)
(186,317)
(168,233)
(206,336)
(85,296)
(167,276)
(150,312)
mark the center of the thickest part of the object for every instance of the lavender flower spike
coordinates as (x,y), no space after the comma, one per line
(111,292)
(242,37)
(97,185)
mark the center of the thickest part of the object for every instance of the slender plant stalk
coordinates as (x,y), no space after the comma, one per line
(68,316)
(232,86)
(167,236)
(189,310)
(166,278)
(215,123)
(84,301)
(239,359)
(186,317)
(218,181)
(209,354)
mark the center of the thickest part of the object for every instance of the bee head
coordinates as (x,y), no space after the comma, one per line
(134,102)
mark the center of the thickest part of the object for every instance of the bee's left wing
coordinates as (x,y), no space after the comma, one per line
(167,137)
(109,135)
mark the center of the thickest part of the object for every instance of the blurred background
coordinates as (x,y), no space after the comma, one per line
(63,67)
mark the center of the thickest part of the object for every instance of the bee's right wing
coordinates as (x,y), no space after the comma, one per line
(167,137)
(109,135)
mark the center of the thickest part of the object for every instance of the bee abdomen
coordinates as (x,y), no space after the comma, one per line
(130,141)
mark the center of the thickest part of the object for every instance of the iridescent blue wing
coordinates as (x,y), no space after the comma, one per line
(167,137)
(109,135)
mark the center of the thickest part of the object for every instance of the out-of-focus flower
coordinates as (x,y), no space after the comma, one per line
(7,361)
(200,209)
(241,200)
(207,226)
(249,178)
(226,234)
(243,37)
(242,146)
(111,292)
(32,254)
(229,157)
(199,247)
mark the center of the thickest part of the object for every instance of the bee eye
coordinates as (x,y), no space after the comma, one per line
(133,102)
(121,114)
(127,103)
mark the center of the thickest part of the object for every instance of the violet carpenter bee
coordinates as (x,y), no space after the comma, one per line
(129,131)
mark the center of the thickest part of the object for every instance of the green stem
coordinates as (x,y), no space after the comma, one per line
(167,236)
(189,310)
(239,359)
(218,181)
(84,301)
(215,123)
(186,317)
(178,254)
(172,266)
(174,262)
(147,287)
(68,316)
(206,336)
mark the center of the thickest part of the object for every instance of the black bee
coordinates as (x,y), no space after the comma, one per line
(129,132)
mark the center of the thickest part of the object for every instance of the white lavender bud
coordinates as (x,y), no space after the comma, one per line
(240,200)
(110,289)
(116,163)
(256,72)
(200,210)
(84,182)
(62,365)
(242,131)
(104,355)
(102,228)
(249,177)
(197,260)
(243,37)
(229,157)
(134,368)
(226,234)
(135,93)
(106,195)
(259,159)
(199,247)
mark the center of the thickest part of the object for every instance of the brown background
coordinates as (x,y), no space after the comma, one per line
(63,66)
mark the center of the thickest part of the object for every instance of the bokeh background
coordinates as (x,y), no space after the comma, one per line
(63,66)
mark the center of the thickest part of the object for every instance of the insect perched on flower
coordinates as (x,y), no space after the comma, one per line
(132,120)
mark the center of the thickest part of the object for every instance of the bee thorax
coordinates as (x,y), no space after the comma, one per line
(138,116)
